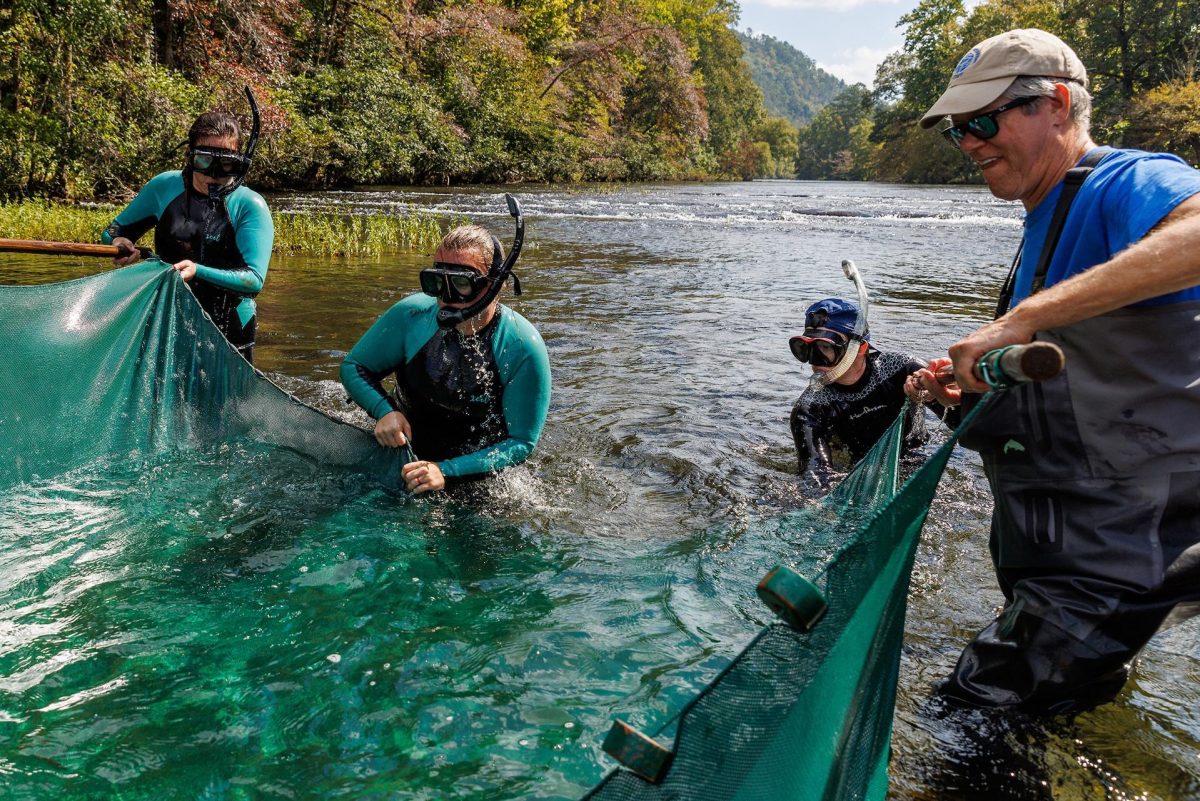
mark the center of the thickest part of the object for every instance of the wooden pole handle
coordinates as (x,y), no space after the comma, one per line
(65,248)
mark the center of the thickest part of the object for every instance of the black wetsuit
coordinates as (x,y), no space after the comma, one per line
(229,239)
(853,418)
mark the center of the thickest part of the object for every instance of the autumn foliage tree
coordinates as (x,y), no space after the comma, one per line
(95,95)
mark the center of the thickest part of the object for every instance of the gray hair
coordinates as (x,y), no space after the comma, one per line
(1038,86)
(473,239)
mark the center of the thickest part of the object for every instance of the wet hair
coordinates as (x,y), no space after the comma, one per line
(1038,86)
(218,124)
(474,239)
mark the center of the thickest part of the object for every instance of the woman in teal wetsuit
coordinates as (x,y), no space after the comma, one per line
(471,394)
(215,233)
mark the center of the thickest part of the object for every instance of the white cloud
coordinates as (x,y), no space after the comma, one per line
(826,5)
(858,64)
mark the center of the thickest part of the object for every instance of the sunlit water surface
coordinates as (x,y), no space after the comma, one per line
(241,624)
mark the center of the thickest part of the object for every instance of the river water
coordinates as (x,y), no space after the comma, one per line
(607,577)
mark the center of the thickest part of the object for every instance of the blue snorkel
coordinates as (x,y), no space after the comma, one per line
(498,273)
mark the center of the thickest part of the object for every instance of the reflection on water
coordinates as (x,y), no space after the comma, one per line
(193,628)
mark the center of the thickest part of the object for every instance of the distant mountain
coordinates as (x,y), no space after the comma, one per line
(792,84)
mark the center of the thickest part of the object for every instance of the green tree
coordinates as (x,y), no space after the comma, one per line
(793,86)
(828,146)
(733,102)
(1167,118)
(95,94)
(782,139)
(909,82)
(1131,47)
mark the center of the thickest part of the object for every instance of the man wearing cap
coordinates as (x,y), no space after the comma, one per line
(1095,474)
(857,391)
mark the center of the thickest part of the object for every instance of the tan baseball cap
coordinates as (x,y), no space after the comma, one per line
(990,66)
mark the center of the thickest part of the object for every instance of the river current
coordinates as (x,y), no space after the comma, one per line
(610,576)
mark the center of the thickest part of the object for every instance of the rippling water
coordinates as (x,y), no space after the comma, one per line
(233,625)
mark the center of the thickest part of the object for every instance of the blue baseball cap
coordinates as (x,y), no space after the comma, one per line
(833,314)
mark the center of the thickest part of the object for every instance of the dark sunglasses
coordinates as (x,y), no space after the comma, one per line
(983,126)
(453,283)
(217,164)
(820,348)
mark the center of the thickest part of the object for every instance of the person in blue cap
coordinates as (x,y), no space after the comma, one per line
(857,391)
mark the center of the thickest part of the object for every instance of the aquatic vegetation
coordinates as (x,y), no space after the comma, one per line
(335,234)
(318,233)
(54,222)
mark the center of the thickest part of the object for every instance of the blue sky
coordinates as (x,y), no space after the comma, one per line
(845,37)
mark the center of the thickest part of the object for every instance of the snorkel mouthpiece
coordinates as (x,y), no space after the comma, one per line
(497,275)
(860,329)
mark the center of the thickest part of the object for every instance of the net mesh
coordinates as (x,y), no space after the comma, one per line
(136,369)
(809,716)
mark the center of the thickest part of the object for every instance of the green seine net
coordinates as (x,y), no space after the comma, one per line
(809,716)
(122,369)
(122,364)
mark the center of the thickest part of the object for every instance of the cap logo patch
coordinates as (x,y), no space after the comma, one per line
(967,60)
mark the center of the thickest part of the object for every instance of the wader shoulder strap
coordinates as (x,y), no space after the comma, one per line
(1071,183)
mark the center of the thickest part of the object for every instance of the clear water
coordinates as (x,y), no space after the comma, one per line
(238,625)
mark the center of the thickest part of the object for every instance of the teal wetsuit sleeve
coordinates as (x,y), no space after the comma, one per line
(525,373)
(388,344)
(145,210)
(254,232)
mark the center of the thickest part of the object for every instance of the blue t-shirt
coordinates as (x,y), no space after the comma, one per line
(1123,198)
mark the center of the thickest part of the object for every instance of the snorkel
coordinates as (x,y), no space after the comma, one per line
(860,330)
(498,273)
(226,164)
(247,156)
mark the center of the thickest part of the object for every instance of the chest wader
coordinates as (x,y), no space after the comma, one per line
(1095,475)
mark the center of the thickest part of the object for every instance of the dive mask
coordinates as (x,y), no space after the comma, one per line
(819,347)
(453,283)
(217,162)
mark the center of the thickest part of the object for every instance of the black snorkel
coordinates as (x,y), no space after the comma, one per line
(247,155)
(498,273)
(255,127)
(225,164)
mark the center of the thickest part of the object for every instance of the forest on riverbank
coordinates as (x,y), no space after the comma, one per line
(97,95)
(1141,57)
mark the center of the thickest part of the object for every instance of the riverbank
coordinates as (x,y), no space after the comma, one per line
(316,234)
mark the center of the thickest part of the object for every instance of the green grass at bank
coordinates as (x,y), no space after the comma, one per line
(320,233)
